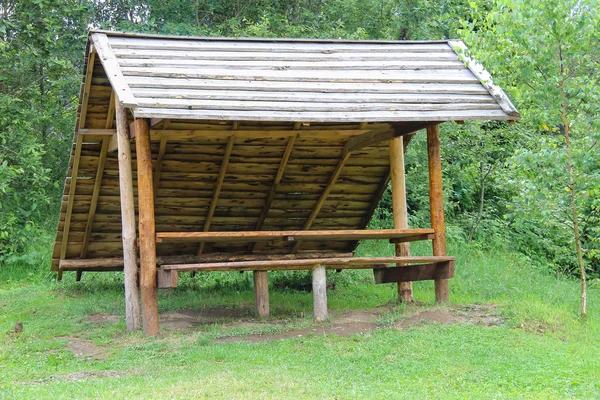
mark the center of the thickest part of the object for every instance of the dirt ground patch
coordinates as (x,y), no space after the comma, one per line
(84,349)
(365,321)
(185,319)
(103,318)
(350,323)
(484,315)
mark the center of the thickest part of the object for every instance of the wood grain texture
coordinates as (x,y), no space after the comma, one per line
(399,210)
(261,293)
(146,228)
(436,206)
(251,236)
(337,263)
(129,236)
(319,288)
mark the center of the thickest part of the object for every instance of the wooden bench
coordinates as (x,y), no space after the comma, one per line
(385,269)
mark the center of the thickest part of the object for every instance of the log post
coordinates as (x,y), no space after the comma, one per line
(319,287)
(261,293)
(436,206)
(399,209)
(132,302)
(147,230)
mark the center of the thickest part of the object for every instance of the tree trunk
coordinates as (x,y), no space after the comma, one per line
(573,202)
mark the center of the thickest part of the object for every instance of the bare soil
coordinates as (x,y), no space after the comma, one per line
(103,318)
(84,349)
(341,324)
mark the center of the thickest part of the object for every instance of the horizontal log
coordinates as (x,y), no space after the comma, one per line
(255,236)
(411,273)
(334,263)
(414,238)
(117,262)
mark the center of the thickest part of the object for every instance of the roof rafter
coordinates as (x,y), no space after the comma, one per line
(219,185)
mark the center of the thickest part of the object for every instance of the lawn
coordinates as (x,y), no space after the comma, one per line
(74,343)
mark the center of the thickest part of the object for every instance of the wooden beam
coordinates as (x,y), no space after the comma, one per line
(376,136)
(110,117)
(436,206)
(265,132)
(86,91)
(399,209)
(113,70)
(97,132)
(381,190)
(146,228)
(319,287)
(156,121)
(161,154)
(337,263)
(113,144)
(217,192)
(116,263)
(484,78)
(332,180)
(95,194)
(72,187)
(267,236)
(411,273)
(273,192)
(261,293)
(132,303)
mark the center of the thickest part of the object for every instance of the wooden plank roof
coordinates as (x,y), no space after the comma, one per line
(256,134)
(298,80)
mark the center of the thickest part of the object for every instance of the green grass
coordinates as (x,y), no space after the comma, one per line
(542,351)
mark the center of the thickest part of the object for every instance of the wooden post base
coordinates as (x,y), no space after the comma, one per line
(442,292)
(261,293)
(319,286)
(167,279)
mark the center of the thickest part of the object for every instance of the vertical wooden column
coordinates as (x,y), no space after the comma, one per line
(132,302)
(261,293)
(399,209)
(319,286)
(147,230)
(436,206)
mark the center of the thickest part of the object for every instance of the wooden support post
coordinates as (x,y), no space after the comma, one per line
(261,293)
(78,275)
(319,286)
(132,302)
(399,208)
(147,228)
(436,206)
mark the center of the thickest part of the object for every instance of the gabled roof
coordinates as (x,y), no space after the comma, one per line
(298,80)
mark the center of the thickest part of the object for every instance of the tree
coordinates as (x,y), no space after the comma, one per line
(553,75)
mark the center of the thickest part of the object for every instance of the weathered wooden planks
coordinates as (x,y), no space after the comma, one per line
(250,236)
(333,263)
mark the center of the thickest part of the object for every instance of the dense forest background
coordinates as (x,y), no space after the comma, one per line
(534,185)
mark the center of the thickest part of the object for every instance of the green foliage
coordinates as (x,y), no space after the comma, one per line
(500,181)
(552,48)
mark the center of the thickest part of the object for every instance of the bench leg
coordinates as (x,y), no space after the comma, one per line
(261,293)
(319,286)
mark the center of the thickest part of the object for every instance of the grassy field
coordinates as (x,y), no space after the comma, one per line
(536,348)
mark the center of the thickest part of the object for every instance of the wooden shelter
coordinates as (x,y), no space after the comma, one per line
(213,154)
